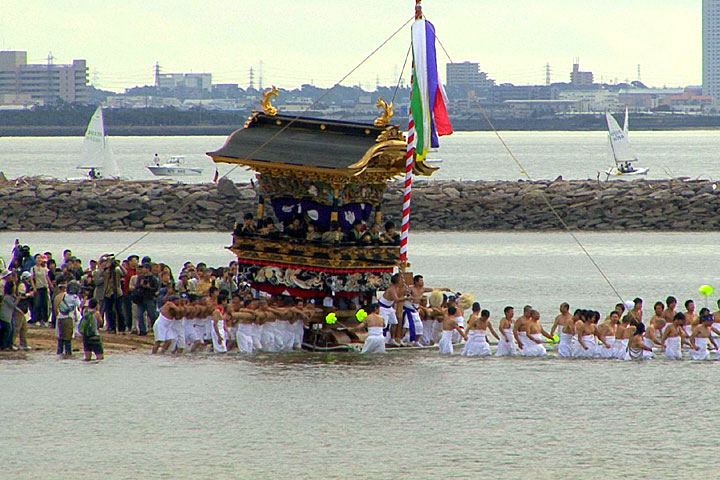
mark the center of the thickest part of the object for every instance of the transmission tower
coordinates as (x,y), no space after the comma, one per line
(251,84)
(639,77)
(547,74)
(260,76)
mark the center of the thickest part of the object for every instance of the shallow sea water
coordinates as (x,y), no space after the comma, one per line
(402,415)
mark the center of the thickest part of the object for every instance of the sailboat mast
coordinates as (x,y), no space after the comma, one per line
(612,146)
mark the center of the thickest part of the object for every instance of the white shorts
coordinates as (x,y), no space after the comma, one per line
(163,330)
(389,315)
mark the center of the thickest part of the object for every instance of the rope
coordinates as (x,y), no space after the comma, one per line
(544,197)
(315,102)
(133,243)
(402,72)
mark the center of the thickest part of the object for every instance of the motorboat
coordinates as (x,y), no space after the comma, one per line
(174,166)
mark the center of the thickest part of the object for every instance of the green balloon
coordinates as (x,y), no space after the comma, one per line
(706,290)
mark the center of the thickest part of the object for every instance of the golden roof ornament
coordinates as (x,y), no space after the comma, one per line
(388,112)
(266,102)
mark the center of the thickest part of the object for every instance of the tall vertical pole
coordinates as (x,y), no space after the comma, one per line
(409,163)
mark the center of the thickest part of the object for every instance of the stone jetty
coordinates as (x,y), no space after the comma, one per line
(670,205)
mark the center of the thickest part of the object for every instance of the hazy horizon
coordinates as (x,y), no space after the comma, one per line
(318,42)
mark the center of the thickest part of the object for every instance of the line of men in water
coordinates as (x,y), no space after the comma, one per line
(622,335)
(221,323)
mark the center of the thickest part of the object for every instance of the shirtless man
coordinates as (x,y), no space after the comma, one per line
(564,315)
(587,336)
(700,337)
(606,335)
(506,345)
(162,328)
(674,337)
(565,322)
(534,346)
(637,311)
(670,309)
(478,324)
(690,315)
(388,307)
(243,317)
(651,339)
(450,325)
(623,333)
(519,330)
(375,341)
(411,316)
(218,322)
(658,320)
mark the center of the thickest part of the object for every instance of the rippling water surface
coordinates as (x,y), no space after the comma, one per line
(402,415)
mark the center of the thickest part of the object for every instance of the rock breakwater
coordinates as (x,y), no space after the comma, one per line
(669,205)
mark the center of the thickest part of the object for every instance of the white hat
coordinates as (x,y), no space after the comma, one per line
(5,273)
(25,275)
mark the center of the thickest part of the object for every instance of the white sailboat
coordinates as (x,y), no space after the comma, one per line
(97,155)
(621,150)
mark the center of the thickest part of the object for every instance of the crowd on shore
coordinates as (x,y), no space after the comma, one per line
(212,309)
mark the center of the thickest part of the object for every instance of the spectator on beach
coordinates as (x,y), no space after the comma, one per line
(144,297)
(24,297)
(130,267)
(112,304)
(67,255)
(227,283)
(88,328)
(7,311)
(187,287)
(40,279)
(204,282)
(68,304)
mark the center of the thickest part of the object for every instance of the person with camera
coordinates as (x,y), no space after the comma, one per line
(113,274)
(144,297)
(41,284)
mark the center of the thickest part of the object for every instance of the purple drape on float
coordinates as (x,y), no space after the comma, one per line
(287,208)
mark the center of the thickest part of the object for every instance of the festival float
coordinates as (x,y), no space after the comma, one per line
(327,171)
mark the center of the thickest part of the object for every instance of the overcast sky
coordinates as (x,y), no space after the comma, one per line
(299,41)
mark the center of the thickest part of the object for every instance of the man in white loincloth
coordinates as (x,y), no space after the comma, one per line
(375,341)
(388,308)
(411,316)
(450,326)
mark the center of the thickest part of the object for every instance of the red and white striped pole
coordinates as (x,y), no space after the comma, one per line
(409,163)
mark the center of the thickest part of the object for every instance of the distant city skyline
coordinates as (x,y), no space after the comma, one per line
(316,41)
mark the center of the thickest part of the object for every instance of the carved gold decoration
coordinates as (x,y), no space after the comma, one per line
(387,114)
(390,133)
(266,102)
(316,255)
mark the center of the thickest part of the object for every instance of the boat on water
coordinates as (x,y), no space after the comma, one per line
(174,166)
(333,174)
(98,159)
(622,152)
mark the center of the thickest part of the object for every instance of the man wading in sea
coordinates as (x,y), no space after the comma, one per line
(91,320)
